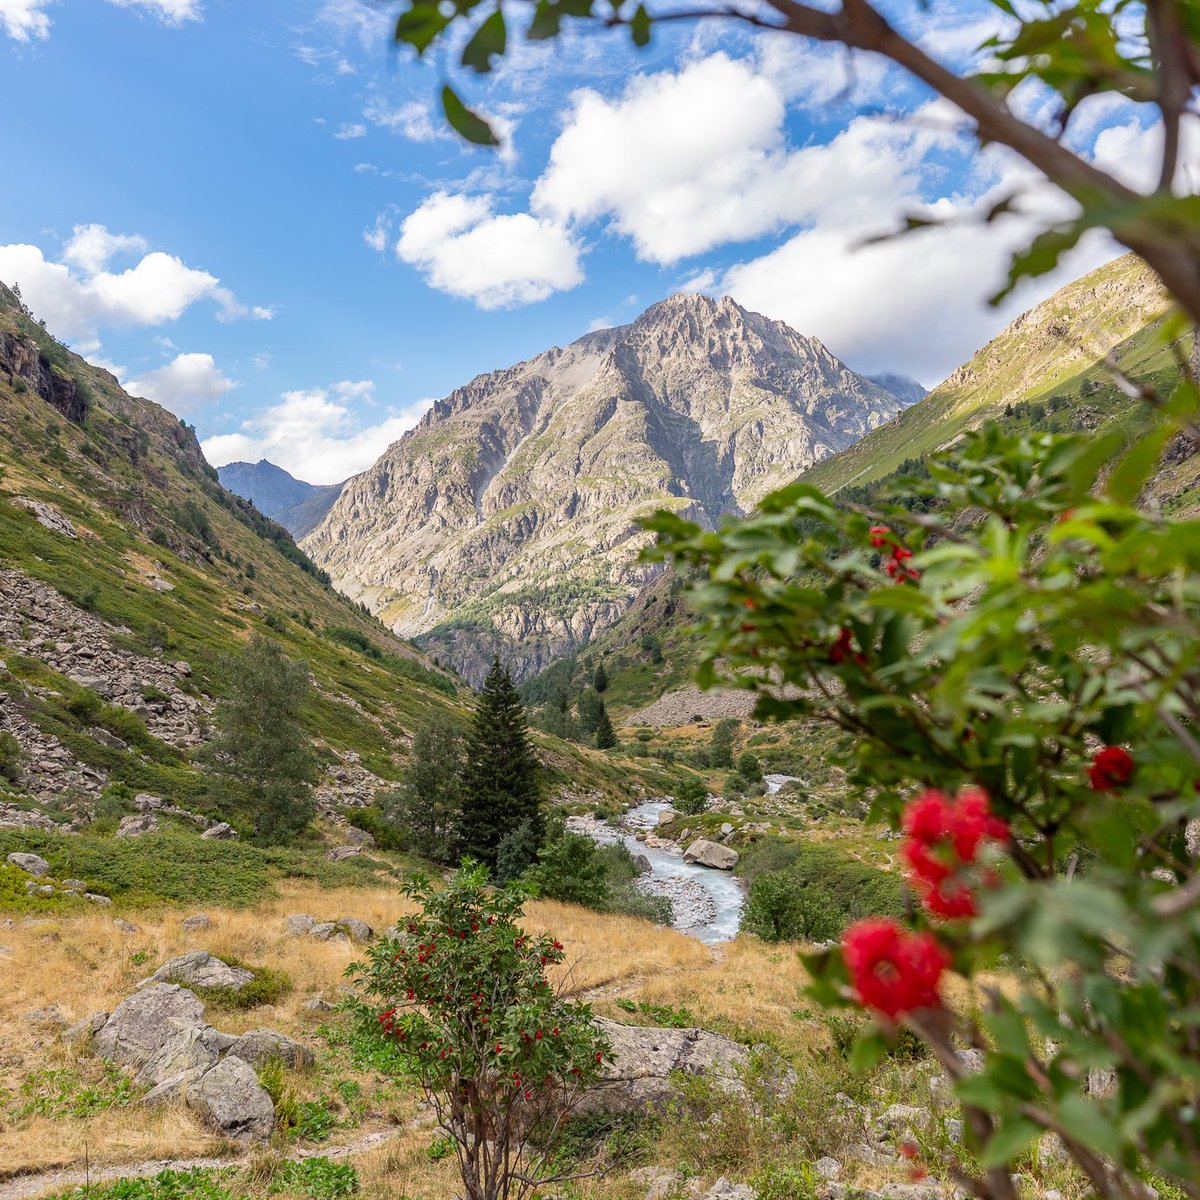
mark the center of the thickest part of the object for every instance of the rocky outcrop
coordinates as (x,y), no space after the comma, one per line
(38,621)
(201,969)
(511,510)
(711,854)
(646,1061)
(160,1033)
(32,864)
(22,358)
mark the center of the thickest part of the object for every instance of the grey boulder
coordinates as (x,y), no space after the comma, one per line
(199,968)
(259,1046)
(221,832)
(646,1063)
(141,1025)
(230,1098)
(33,864)
(137,825)
(711,854)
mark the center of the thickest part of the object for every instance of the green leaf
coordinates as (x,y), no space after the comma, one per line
(1009,1141)
(1130,474)
(420,25)
(546,23)
(869,1048)
(472,126)
(639,27)
(487,43)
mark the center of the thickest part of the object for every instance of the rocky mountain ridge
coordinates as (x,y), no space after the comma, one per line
(298,506)
(507,520)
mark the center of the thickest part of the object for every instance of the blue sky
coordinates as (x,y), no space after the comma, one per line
(252,213)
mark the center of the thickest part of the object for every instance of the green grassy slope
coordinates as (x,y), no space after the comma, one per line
(1054,349)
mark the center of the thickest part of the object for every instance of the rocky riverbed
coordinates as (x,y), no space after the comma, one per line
(707,903)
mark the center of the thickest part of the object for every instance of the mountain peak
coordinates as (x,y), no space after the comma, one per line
(509,517)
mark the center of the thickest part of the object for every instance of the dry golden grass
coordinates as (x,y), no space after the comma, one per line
(84,964)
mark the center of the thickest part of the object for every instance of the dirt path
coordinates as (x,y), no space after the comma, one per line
(26,1187)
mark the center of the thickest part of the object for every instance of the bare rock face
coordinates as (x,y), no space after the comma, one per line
(519,493)
(142,1024)
(711,854)
(644,1061)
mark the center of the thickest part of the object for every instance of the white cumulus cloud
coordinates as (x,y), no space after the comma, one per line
(497,260)
(316,434)
(25,20)
(187,382)
(169,12)
(82,291)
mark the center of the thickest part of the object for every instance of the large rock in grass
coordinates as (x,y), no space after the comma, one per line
(646,1063)
(186,1054)
(711,854)
(201,969)
(259,1046)
(137,826)
(32,864)
(141,1025)
(230,1098)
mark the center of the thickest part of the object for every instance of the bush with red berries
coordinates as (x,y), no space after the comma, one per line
(1025,710)
(463,991)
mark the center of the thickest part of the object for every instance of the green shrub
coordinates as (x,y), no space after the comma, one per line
(317,1178)
(691,796)
(10,757)
(818,895)
(268,985)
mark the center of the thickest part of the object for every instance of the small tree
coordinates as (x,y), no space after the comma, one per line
(720,753)
(428,801)
(600,678)
(591,710)
(691,796)
(749,768)
(462,993)
(572,869)
(261,754)
(500,780)
(606,737)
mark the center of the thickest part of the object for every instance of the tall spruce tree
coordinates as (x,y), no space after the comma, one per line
(500,781)
(606,737)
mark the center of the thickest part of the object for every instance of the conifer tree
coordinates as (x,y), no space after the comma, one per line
(500,782)
(606,738)
(600,679)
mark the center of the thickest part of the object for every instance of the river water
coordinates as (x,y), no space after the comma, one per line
(707,902)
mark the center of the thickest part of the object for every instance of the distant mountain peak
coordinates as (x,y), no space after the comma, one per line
(297,506)
(509,516)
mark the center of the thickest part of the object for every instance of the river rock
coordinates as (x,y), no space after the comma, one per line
(32,864)
(140,1025)
(711,854)
(199,968)
(230,1098)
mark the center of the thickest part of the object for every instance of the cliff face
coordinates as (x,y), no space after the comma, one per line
(507,520)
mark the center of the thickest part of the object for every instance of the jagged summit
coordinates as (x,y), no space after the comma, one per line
(508,518)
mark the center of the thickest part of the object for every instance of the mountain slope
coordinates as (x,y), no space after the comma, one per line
(127,571)
(507,520)
(298,506)
(1037,355)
